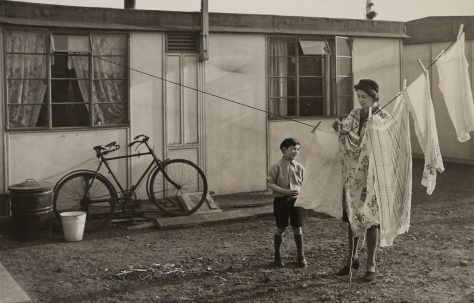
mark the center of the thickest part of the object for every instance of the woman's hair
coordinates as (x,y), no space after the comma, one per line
(370,87)
(289,142)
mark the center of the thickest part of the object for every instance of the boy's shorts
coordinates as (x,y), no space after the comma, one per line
(284,208)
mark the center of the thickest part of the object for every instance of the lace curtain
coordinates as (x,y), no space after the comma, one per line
(279,64)
(25,69)
(109,86)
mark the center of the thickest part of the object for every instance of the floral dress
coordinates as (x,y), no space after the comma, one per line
(360,207)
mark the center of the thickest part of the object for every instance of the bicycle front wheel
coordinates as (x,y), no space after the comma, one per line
(89,192)
(178,187)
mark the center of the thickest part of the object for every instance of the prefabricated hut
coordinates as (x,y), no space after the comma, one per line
(59,100)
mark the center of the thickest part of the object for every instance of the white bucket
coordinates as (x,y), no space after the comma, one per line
(73,225)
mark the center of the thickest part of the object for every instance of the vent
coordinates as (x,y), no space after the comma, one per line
(182,42)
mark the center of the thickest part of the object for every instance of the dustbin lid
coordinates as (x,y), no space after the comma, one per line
(31,185)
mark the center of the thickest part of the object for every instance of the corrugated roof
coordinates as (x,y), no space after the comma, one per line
(46,15)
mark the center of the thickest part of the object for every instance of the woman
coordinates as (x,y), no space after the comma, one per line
(362,210)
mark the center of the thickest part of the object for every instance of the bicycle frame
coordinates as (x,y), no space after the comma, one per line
(156,162)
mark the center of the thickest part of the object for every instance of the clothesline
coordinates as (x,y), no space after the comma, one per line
(313,127)
(203,92)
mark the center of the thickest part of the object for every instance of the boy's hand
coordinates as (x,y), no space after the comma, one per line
(293,192)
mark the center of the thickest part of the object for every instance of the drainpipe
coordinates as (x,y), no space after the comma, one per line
(130,4)
(204,41)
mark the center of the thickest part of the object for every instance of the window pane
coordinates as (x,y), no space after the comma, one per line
(311,106)
(282,87)
(343,66)
(173,99)
(313,47)
(71,67)
(311,66)
(25,66)
(283,47)
(273,107)
(70,91)
(26,91)
(70,43)
(68,115)
(25,115)
(25,41)
(343,47)
(282,107)
(109,91)
(311,86)
(344,105)
(110,113)
(344,86)
(111,67)
(291,106)
(109,44)
(283,66)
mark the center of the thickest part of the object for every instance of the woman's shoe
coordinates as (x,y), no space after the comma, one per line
(355,263)
(346,270)
(369,276)
(343,271)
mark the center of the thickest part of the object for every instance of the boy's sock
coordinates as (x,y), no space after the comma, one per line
(277,240)
(300,259)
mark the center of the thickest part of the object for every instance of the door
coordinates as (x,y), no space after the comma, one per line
(183,108)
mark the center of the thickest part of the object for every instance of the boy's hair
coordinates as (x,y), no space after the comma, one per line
(289,142)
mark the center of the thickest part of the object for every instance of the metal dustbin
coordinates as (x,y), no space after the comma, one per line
(32,210)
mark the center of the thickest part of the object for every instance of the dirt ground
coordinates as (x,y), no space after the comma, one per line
(230,262)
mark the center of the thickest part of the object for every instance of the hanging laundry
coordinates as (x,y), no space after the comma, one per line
(322,187)
(418,97)
(455,85)
(361,205)
(390,170)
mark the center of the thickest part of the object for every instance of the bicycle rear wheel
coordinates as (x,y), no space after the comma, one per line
(85,191)
(177,187)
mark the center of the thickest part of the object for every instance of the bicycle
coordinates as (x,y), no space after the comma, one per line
(176,186)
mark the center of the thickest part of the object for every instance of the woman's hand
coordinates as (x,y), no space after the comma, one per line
(336,124)
(354,137)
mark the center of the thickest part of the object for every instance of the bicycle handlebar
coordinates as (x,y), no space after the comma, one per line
(142,137)
(139,139)
(113,146)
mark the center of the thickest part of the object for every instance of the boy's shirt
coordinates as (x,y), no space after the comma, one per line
(286,174)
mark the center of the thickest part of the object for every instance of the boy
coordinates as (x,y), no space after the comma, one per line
(285,179)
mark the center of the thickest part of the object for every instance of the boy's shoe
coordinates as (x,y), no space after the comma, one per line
(301,262)
(279,263)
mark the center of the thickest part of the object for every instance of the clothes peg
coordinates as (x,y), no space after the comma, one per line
(461,30)
(404,83)
(315,127)
(422,66)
